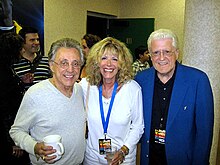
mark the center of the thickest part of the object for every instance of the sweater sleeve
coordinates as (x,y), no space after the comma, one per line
(137,122)
(19,131)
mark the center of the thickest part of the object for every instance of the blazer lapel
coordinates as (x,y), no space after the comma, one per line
(178,93)
(148,92)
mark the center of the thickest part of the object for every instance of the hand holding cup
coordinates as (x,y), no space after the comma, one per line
(55,142)
(110,152)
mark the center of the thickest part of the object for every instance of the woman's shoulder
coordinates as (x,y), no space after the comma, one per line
(83,83)
(132,85)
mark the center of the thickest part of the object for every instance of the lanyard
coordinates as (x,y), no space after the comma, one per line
(105,122)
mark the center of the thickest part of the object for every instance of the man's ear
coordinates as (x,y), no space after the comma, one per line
(177,53)
(140,56)
(51,66)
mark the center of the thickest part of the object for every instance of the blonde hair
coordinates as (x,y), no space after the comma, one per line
(125,59)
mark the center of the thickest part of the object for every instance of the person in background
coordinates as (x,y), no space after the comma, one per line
(54,106)
(142,57)
(88,41)
(178,107)
(33,67)
(10,98)
(115,114)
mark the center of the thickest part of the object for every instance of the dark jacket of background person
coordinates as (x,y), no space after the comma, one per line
(6,23)
(10,95)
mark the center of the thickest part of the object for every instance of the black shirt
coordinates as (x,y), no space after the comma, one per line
(160,107)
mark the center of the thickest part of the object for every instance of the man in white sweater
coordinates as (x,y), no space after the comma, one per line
(54,106)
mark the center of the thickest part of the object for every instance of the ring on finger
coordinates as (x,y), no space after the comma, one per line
(43,157)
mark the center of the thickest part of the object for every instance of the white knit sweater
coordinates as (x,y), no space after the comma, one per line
(45,111)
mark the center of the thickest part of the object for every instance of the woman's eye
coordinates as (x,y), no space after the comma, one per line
(115,59)
(103,58)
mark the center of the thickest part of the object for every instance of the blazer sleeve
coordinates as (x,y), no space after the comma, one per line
(204,121)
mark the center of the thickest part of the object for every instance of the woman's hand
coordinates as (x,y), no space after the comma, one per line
(118,158)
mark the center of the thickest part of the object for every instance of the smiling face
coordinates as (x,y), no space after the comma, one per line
(32,43)
(109,66)
(164,63)
(65,77)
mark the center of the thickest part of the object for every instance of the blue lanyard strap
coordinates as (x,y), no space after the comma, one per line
(105,122)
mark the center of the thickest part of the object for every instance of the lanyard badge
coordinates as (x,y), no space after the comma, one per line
(160,136)
(106,143)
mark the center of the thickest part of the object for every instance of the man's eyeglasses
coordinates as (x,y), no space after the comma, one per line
(65,64)
(158,53)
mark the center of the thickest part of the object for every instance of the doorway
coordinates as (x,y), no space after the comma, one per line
(132,31)
(97,26)
(98,23)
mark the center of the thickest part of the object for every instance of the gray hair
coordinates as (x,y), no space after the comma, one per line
(65,43)
(162,34)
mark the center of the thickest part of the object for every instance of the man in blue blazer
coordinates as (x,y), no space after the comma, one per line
(178,107)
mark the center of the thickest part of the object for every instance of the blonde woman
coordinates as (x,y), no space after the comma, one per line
(115,115)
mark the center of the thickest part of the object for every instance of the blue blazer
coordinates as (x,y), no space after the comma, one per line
(190,119)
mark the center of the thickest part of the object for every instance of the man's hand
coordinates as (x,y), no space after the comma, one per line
(28,78)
